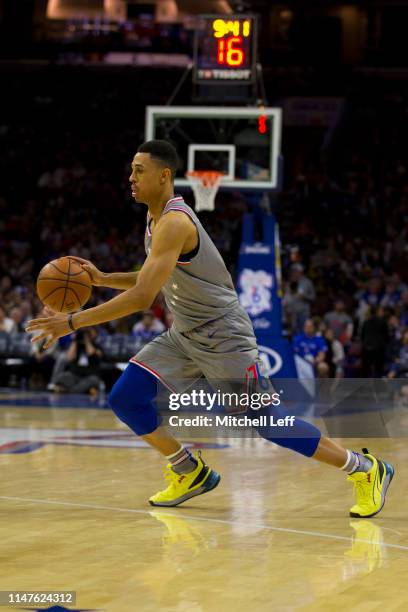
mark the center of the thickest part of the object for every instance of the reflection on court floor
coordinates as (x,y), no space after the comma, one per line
(275,535)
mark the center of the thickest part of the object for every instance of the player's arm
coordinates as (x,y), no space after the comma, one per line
(167,243)
(119,280)
(113,280)
(169,237)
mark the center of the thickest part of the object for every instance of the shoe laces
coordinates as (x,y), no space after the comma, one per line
(173,477)
(363,493)
(169,474)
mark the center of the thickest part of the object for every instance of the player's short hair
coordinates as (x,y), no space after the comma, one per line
(163,152)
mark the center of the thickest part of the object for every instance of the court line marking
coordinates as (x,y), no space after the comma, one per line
(316,534)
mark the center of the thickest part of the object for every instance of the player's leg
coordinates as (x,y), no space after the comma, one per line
(134,400)
(234,351)
(371,476)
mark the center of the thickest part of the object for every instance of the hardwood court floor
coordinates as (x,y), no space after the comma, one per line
(275,535)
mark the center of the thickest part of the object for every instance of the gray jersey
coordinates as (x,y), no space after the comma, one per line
(200,288)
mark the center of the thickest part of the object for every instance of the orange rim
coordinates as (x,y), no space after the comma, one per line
(208,178)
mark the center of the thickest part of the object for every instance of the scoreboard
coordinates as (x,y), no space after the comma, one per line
(225,49)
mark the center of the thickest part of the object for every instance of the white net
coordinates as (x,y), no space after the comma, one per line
(205,185)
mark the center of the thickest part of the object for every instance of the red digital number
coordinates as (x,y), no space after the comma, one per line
(228,53)
(262,124)
(221,52)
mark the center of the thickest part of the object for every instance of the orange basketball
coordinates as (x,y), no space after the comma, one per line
(63,285)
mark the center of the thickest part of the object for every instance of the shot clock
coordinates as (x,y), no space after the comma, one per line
(225,49)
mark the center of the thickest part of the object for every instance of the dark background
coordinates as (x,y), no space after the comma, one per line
(70,123)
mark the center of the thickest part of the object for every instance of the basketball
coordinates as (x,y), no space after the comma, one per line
(63,285)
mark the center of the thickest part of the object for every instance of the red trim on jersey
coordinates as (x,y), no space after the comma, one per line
(180,210)
(176,199)
(156,374)
(149,218)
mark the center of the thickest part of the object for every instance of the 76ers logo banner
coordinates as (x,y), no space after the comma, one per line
(256,291)
(257,287)
(259,292)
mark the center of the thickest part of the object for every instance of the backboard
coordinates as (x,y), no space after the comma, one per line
(242,142)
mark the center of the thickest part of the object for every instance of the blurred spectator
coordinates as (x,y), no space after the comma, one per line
(304,289)
(352,363)
(339,322)
(392,295)
(294,309)
(335,354)
(148,327)
(27,310)
(5,284)
(374,338)
(399,369)
(370,297)
(60,353)
(82,374)
(394,340)
(6,323)
(403,310)
(311,347)
(17,316)
(40,366)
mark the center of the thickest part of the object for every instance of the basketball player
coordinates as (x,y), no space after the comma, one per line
(212,336)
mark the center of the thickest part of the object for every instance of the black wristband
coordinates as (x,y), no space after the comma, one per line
(70,323)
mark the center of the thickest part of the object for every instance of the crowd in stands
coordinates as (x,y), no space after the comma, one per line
(344,234)
(346,295)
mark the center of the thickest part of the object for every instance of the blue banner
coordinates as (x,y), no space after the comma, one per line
(259,281)
(260,293)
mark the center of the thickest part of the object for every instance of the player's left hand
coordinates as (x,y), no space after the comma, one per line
(52,327)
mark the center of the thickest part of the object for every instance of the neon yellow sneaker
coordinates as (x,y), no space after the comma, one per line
(185,486)
(371,487)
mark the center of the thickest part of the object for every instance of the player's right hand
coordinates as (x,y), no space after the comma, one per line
(97,277)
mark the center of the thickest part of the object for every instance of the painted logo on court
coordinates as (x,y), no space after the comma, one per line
(271,360)
(19,440)
(256,294)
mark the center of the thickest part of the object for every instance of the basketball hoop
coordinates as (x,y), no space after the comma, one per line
(205,184)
